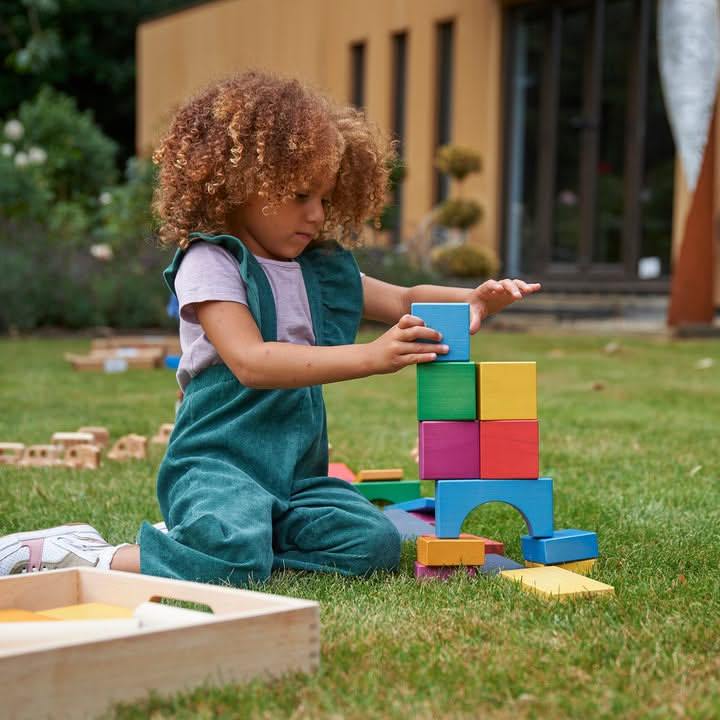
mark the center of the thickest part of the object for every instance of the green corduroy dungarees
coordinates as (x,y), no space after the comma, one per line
(243,486)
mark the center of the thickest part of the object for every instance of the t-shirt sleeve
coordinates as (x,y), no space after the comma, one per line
(207,272)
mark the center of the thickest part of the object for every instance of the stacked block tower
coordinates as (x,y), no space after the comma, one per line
(479,442)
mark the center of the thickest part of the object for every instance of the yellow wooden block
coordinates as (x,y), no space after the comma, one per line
(17,615)
(465,550)
(376,475)
(556,582)
(581,567)
(507,390)
(89,611)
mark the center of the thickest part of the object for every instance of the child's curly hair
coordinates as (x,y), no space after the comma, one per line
(261,133)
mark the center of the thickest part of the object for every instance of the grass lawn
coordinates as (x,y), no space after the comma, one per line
(630,438)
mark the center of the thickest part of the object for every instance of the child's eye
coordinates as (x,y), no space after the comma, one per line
(301,196)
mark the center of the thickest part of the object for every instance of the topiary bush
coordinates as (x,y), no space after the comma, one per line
(465,261)
(459,213)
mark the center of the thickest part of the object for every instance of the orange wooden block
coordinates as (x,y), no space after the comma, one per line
(16,615)
(464,550)
(378,475)
(89,611)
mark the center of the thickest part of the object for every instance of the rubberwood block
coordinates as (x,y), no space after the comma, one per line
(563,546)
(495,563)
(89,611)
(423,503)
(454,499)
(19,615)
(428,572)
(452,320)
(408,525)
(446,391)
(449,449)
(507,391)
(380,474)
(392,491)
(493,547)
(341,471)
(581,567)
(509,449)
(465,550)
(555,582)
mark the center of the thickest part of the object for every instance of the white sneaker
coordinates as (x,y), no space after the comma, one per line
(55,548)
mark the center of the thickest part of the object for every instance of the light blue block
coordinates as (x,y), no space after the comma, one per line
(453,321)
(423,503)
(533,499)
(408,525)
(563,546)
(496,563)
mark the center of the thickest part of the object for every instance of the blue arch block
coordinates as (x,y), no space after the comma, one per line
(533,499)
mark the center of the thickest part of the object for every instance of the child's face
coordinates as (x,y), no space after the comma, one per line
(284,233)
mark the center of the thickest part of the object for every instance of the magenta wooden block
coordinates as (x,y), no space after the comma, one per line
(449,449)
(427,572)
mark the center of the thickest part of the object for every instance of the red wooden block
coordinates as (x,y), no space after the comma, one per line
(509,449)
(493,547)
(342,471)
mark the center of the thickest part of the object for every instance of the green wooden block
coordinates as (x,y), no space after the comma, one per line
(446,391)
(392,491)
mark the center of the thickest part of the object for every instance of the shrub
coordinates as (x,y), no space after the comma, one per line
(458,213)
(391,266)
(465,261)
(457,161)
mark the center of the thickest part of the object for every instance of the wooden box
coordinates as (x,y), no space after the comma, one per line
(251,635)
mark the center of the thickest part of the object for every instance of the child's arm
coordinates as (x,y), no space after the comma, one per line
(386,302)
(232,330)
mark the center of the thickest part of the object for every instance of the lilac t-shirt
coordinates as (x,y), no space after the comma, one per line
(209,272)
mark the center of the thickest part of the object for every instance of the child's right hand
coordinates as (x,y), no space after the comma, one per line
(397,348)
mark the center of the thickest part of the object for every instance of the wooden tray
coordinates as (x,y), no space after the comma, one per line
(252,635)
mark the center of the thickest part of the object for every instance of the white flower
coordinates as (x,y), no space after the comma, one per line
(7,149)
(105,198)
(14,129)
(101,251)
(21,159)
(36,155)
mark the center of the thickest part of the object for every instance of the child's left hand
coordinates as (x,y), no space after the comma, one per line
(494,295)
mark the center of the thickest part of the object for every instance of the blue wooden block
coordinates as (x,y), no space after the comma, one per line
(423,503)
(495,563)
(453,321)
(408,525)
(454,499)
(563,546)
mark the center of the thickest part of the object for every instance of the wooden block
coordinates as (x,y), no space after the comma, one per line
(409,526)
(380,474)
(562,546)
(17,615)
(427,572)
(509,449)
(465,550)
(393,491)
(341,471)
(418,504)
(454,499)
(40,456)
(495,563)
(581,567)
(100,434)
(507,391)
(169,344)
(69,439)
(129,447)
(555,582)
(89,611)
(11,452)
(117,359)
(452,320)
(446,391)
(82,457)
(493,547)
(449,449)
(162,437)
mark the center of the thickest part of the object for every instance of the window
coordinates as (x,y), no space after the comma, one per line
(357,75)
(443,100)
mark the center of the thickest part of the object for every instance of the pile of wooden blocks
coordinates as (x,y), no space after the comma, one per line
(117,354)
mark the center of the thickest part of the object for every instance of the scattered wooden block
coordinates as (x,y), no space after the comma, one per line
(453,321)
(464,550)
(89,611)
(162,437)
(446,391)
(100,434)
(117,359)
(69,439)
(40,456)
(18,615)
(379,475)
(507,391)
(409,526)
(11,452)
(393,491)
(82,457)
(449,449)
(496,563)
(169,344)
(493,547)
(427,572)
(129,447)
(581,567)
(562,546)
(509,449)
(341,471)
(555,582)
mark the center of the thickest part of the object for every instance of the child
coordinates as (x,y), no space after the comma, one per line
(262,181)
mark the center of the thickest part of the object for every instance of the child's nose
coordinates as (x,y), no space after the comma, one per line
(316,211)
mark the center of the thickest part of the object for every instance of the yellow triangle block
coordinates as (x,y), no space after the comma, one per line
(16,615)
(553,581)
(89,611)
(581,567)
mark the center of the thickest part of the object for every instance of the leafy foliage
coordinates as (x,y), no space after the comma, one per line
(461,213)
(467,261)
(457,161)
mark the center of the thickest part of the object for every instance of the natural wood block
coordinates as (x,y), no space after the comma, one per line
(162,437)
(464,550)
(40,456)
(17,615)
(507,391)
(82,456)
(446,391)
(89,611)
(101,434)
(341,471)
(452,320)
(10,452)
(509,449)
(69,439)
(581,567)
(380,474)
(449,449)
(556,582)
(129,447)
